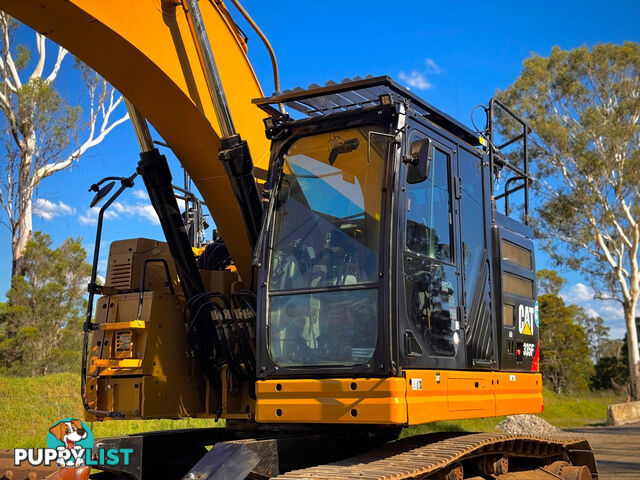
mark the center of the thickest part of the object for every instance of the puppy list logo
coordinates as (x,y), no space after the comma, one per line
(70,444)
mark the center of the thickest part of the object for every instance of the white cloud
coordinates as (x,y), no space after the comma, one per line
(90,216)
(609,310)
(48,210)
(418,79)
(592,312)
(117,207)
(141,194)
(578,293)
(415,80)
(146,211)
(120,210)
(432,66)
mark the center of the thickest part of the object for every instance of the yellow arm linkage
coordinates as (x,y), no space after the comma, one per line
(145,48)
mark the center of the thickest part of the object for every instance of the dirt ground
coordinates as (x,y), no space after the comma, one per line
(617,450)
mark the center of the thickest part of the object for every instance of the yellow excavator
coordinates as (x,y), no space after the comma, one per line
(363,280)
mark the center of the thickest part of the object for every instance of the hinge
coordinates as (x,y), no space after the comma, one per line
(457,183)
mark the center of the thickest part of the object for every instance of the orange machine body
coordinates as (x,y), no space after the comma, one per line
(419,396)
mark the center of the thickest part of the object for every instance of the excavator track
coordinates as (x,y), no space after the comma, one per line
(454,456)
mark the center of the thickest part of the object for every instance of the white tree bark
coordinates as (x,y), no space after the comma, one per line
(27,162)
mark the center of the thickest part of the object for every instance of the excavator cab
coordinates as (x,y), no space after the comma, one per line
(365,269)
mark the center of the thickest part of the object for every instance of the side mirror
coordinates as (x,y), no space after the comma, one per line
(419,161)
(101,193)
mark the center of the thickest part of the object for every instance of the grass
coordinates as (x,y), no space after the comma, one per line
(29,406)
(575,411)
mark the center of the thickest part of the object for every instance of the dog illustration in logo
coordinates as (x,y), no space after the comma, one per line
(69,433)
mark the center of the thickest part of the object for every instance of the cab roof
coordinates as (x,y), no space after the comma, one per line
(352,94)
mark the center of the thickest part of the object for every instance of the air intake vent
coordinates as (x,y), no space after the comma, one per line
(119,275)
(124,339)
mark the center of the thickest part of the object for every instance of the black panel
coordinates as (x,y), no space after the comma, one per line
(358,93)
(480,326)
(519,334)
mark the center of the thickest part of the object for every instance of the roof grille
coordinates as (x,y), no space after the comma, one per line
(355,93)
(349,94)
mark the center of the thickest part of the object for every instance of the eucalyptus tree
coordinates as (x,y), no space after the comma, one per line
(584,108)
(42,132)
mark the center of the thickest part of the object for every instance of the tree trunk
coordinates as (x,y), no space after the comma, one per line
(21,238)
(632,346)
(26,185)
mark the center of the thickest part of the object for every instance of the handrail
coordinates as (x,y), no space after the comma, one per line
(143,277)
(494,158)
(93,288)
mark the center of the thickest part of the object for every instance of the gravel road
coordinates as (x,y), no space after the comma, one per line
(617,450)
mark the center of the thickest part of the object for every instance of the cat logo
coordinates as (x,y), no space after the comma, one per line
(526,316)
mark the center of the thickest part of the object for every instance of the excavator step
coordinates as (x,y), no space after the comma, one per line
(441,456)
(140,324)
(120,363)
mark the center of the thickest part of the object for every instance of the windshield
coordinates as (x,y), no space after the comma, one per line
(326,235)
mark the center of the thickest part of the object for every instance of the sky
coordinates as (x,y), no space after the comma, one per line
(453,54)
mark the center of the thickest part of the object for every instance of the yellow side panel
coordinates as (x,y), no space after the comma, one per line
(448,395)
(518,393)
(421,396)
(337,400)
(152,375)
(426,395)
(119,395)
(471,394)
(434,395)
(146,50)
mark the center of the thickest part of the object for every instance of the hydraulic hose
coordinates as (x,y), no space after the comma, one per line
(267,44)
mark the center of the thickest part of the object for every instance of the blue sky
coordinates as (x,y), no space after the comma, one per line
(454,54)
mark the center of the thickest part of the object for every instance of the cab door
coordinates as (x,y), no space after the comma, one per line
(429,278)
(479,323)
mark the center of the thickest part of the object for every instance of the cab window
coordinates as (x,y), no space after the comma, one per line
(429,211)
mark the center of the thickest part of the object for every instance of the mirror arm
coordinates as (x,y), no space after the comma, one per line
(96,186)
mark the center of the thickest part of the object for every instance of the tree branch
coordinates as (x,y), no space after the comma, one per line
(4,24)
(52,168)
(42,54)
(56,68)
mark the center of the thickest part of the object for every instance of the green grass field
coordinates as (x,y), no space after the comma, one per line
(29,406)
